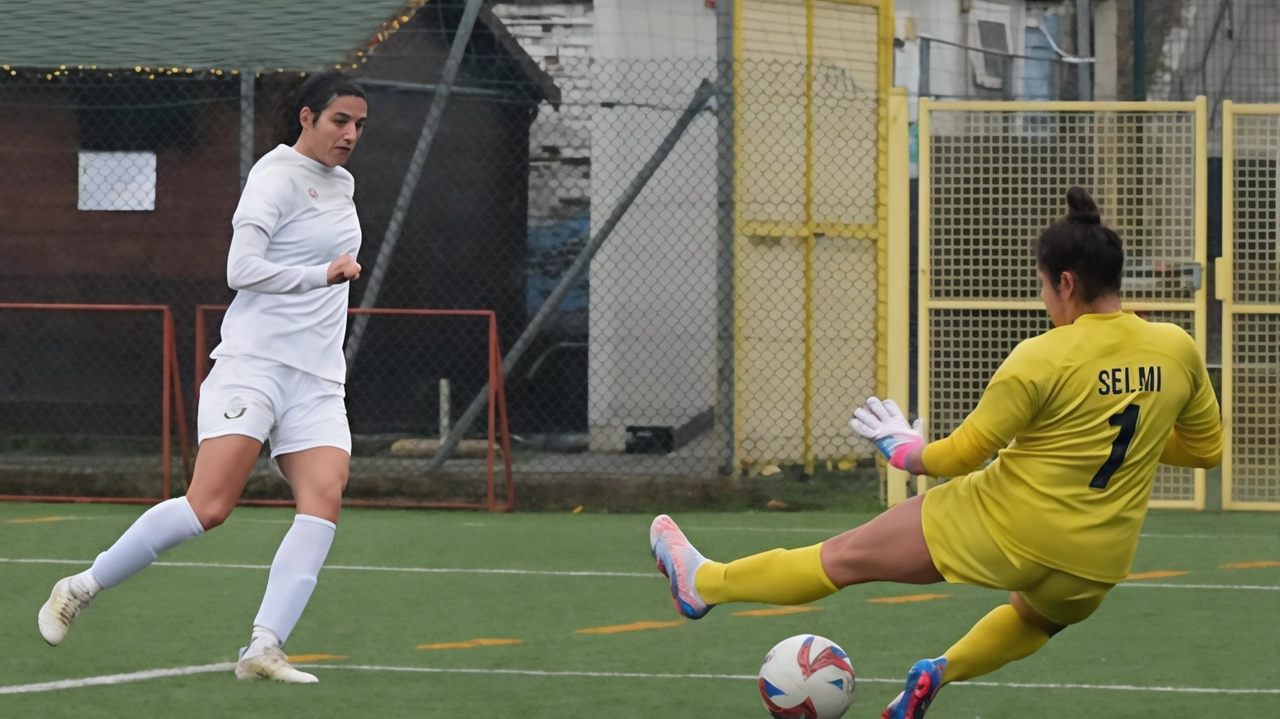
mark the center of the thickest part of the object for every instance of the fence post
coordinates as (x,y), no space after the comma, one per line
(247,79)
(899,271)
(1084,48)
(926,48)
(725,234)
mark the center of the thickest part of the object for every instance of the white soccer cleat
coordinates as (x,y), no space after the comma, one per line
(270,663)
(679,562)
(64,605)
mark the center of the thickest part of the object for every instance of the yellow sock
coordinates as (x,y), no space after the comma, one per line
(997,639)
(781,576)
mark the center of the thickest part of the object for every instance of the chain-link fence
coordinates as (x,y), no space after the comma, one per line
(811,235)
(506,150)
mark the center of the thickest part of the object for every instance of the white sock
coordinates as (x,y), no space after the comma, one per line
(293,575)
(160,528)
(262,638)
(84,583)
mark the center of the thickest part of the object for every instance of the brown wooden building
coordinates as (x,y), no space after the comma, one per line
(118,180)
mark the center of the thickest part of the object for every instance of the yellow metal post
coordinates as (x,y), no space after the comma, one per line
(924,228)
(810,237)
(1223,289)
(899,271)
(1225,275)
(1202,253)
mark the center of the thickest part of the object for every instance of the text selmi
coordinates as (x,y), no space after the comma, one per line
(1126,380)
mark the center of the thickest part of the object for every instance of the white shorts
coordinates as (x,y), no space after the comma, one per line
(262,399)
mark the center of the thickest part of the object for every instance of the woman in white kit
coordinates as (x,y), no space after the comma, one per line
(279,375)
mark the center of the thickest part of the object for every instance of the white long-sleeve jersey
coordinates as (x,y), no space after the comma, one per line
(295,217)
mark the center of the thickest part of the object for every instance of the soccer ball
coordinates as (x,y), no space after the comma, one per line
(806,677)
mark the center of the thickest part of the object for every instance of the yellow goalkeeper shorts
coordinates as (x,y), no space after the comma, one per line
(965,553)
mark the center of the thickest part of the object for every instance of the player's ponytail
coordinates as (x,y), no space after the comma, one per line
(1081,244)
(316,92)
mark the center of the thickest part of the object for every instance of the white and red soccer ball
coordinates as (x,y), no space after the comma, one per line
(806,677)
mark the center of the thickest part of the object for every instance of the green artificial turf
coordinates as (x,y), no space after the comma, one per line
(174,616)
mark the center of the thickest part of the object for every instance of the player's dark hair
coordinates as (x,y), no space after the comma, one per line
(1081,244)
(316,92)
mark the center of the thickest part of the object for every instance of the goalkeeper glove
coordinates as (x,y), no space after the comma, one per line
(884,424)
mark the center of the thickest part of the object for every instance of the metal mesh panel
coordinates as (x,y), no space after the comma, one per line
(999,179)
(965,349)
(809,233)
(1255,394)
(1252,310)
(996,180)
(1256,252)
(1174,484)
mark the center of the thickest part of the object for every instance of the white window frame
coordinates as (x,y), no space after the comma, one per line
(117,181)
(993,12)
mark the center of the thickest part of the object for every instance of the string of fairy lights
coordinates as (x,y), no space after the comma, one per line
(67,72)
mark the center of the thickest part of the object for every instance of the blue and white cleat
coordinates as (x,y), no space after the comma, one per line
(679,562)
(923,682)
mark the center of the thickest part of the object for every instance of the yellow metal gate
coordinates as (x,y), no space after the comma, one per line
(811,82)
(1248,283)
(993,175)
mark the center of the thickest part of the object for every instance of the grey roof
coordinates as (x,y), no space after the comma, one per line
(256,35)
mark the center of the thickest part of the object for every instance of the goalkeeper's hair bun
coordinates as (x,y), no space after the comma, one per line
(1082,208)
(1079,243)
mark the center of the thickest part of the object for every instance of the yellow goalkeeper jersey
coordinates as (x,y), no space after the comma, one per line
(1081,415)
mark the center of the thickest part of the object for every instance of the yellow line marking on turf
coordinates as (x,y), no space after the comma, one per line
(35,520)
(1250,565)
(908,598)
(1154,575)
(775,612)
(297,658)
(471,643)
(633,627)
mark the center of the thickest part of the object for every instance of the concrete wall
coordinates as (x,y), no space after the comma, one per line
(652,285)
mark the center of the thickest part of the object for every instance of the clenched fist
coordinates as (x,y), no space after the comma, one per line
(343,269)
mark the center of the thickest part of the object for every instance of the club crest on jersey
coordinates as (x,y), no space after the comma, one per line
(312,191)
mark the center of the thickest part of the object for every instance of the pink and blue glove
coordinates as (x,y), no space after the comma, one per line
(885,425)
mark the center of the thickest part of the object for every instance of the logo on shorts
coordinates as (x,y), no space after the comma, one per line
(312,191)
(235,408)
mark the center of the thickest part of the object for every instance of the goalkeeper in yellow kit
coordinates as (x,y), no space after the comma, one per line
(1079,417)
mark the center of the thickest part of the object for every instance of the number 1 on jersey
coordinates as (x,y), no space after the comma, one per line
(1127,421)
